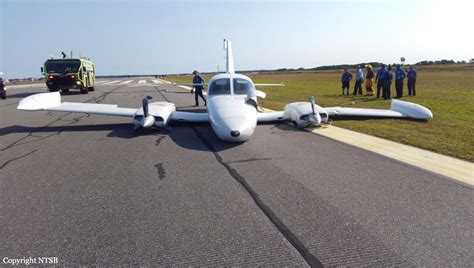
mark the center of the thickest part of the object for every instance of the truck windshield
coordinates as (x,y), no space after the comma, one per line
(62,66)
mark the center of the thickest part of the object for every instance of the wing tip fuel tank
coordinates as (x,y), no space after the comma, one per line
(40,101)
(411,110)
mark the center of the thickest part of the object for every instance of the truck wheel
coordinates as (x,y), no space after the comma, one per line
(84,90)
(4,96)
(53,89)
(66,90)
(91,88)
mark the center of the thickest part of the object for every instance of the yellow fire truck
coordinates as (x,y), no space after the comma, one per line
(69,73)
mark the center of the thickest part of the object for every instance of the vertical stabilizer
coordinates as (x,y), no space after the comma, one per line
(229,57)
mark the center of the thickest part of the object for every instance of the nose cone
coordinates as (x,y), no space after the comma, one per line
(235,133)
(234,129)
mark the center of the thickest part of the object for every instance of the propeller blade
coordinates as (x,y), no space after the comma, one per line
(145,105)
(311,100)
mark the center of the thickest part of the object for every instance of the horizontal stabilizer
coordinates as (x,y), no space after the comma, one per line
(190,84)
(270,85)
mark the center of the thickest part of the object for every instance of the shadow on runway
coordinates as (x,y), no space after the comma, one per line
(124,130)
(196,136)
(20,95)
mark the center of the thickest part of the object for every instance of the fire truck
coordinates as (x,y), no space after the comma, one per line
(69,73)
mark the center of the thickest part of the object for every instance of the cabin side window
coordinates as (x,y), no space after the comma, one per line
(219,87)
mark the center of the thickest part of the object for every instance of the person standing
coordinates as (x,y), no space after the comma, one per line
(399,76)
(359,81)
(411,75)
(380,79)
(387,84)
(346,80)
(369,80)
(197,79)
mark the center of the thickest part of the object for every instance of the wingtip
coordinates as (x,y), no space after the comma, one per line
(40,101)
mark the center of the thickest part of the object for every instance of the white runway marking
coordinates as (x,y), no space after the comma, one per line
(164,81)
(112,82)
(142,82)
(101,82)
(126,82)
(157,81)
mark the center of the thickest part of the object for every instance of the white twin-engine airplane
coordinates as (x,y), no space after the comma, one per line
(232,108)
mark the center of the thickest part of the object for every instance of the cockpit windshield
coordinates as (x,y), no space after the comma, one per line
(219,87)
(242,86)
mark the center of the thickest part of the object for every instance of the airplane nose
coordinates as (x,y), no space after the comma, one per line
(235,133)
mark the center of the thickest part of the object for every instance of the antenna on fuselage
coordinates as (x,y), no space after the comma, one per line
(229,58)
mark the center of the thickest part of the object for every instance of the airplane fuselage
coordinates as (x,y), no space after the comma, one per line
(231,117)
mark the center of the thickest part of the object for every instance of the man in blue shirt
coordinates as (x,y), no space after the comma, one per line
(387,83)
(411,75)
(346,81)
(197,79)
(399,76)
(359,81)
(380,79)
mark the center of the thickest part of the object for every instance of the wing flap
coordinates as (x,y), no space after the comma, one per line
(270,116)
(94,108)
(190,117)
(342,111)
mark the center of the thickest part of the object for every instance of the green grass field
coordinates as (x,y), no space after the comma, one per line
(448,91)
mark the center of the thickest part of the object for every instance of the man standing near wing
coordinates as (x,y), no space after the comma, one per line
(197,79)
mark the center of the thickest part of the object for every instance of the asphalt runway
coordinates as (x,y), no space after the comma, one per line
(89,190)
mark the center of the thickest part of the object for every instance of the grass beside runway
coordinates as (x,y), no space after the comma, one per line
(448,91)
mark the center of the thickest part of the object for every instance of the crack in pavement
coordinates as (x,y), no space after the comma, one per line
(158,141)
(17,158)
(267,211)
(59,119)
(248,160)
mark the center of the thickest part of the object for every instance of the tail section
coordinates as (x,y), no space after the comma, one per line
(230,58)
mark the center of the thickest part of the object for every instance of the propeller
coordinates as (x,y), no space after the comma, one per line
(311,100)
(145,105)
(148,120)
(314,118)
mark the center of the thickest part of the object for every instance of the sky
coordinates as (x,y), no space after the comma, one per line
(165,37)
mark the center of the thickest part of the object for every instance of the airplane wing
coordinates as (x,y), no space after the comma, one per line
(189,117)
(52,102)
(270,116)
(162,110)
(398,108)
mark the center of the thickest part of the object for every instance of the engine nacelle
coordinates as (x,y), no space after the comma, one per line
(301,114)
(161,112)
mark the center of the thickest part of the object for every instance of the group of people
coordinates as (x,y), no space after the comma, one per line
(383,80)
